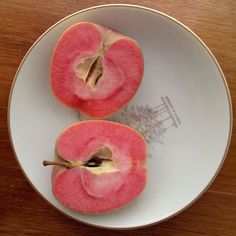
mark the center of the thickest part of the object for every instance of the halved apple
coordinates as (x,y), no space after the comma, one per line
(103,167)
(95,69)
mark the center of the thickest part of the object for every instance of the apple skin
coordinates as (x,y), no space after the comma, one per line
(121,63)
(83,189)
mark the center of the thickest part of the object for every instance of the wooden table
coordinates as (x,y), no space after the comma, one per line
(22,211)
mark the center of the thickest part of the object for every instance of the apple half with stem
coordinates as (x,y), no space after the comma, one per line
(102,166)
(95,70)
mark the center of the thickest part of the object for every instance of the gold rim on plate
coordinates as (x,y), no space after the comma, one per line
(186,28)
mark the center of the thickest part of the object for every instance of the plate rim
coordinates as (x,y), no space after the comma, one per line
(173,20)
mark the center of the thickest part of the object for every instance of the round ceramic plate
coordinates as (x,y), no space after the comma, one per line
(182,108)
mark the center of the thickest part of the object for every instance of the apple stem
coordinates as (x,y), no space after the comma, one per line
(95,161)
(58,163)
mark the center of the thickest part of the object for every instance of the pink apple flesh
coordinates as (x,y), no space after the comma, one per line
(95,70)
(96,186)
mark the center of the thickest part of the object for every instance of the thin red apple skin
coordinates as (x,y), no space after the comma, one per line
(130,157)
(84,39)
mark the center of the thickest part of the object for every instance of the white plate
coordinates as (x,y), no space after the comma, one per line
(184,98)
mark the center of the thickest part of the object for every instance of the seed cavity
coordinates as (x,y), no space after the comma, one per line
(95,72)
(100,156)
(94,162)
(90,70)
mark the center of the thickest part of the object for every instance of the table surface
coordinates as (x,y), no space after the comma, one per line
(22,210)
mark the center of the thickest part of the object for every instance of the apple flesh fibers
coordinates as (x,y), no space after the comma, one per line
(95,69)
(103,167)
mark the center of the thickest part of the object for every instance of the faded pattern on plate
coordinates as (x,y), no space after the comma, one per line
(151,122)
